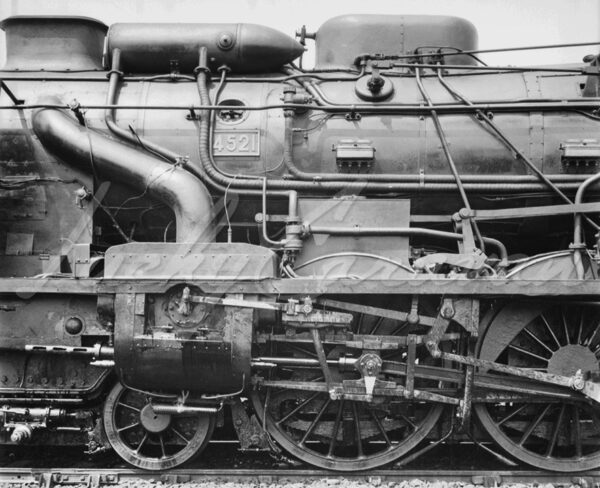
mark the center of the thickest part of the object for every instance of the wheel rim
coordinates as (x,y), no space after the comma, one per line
(148,440)
(344,435)
(326,433)
(557,435)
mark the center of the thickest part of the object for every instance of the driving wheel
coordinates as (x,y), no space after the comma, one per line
(556,434)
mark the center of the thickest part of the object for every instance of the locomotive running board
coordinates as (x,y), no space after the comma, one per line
(426,285)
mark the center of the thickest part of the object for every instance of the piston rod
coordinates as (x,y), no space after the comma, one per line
(181,409)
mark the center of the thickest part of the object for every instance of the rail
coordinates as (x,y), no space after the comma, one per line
(97,478)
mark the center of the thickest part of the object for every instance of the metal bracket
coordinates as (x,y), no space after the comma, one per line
(463,311)
(466,313)
(410,365)
(468,241)
(248,429)
(353,115)
(369,365)
(192,115)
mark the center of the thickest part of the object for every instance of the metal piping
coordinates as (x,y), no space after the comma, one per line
(578,244)
(485,119)
(408,109)
(210,174)
(115,161)
(307,228)
(468,180)
(448,155)
(316,185)
(109,114)
(577,233)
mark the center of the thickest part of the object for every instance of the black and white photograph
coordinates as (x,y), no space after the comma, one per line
(299,243)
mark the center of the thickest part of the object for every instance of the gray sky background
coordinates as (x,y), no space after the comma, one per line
(501,23)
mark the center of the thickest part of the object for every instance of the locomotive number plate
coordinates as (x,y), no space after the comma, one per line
(236,143)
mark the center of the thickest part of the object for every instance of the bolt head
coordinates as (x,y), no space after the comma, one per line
(73,325)
(226,40)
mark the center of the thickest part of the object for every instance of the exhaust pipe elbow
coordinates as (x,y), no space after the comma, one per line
(186,195)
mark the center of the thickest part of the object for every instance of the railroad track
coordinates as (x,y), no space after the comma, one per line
(112,478)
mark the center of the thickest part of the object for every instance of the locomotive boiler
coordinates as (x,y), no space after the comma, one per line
(354,263)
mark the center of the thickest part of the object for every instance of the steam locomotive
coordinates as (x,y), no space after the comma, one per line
(351,264)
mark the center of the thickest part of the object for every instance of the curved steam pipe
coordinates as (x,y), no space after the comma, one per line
(171,184)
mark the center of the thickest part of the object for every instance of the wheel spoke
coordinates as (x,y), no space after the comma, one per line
(528,353)
(512,414)
(538,340)
(299,407)
(556,430)
(336,428)
(361,317)
(380,427)
(550,330)
(315,421)
(577,431)
(126,405)
(162,446)
(566,327)
(127,427)
(590,341)
(377,325)
(359,445)
(408,421)
(534,424)
(179,434)
(594,417)
(580,331)
(142,442)
(399,330)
